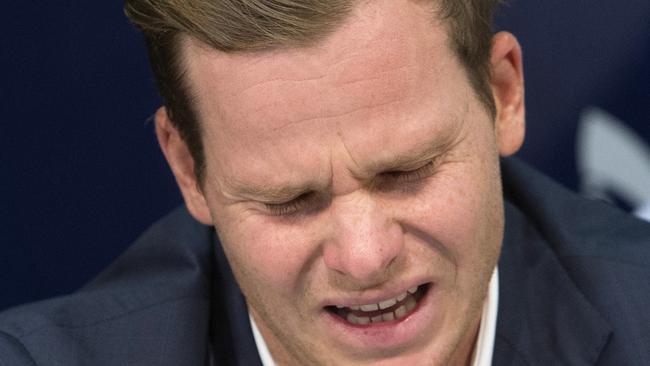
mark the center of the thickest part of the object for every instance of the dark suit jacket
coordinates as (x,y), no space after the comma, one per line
(574,290)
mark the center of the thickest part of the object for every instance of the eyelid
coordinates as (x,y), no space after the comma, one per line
(387,180)
(291,207)
(409,169)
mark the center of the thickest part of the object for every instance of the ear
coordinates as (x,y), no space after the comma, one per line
(182,165)
(507,82)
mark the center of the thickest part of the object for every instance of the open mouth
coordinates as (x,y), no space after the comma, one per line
(387,310)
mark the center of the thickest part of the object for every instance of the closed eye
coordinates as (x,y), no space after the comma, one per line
(302,203)
(410,175)
(403,178)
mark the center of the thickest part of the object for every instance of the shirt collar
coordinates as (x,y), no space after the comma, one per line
(484,343)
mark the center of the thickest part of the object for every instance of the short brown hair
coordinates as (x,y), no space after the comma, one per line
(252,25)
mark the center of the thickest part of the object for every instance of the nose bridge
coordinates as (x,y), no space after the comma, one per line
(365,239)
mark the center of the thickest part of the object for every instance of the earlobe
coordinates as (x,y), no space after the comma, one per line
(507,82)
(182,165)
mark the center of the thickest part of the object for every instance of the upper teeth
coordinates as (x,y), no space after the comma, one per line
(402,308)
(385,304)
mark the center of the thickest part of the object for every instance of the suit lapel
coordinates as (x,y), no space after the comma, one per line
(230,331)
(543,318)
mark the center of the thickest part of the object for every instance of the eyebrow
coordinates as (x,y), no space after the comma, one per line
(269,194)
(414,156)
(418,154)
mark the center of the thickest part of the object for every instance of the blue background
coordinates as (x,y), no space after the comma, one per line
(81,174)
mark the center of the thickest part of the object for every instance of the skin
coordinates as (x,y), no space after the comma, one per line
(381,131)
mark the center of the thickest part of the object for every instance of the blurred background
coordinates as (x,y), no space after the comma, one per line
(81,175)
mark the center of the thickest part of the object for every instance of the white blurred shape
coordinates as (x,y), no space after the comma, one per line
(613,158)
(643,212)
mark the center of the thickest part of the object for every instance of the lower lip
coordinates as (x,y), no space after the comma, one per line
(385,335)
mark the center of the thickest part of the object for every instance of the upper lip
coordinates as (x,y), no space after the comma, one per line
(371,296)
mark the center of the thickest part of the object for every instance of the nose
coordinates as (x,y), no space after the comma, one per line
(365,241)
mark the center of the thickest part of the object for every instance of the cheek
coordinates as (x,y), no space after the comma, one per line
(270,258)
(459,209)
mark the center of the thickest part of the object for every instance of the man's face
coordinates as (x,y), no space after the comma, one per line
(351,174)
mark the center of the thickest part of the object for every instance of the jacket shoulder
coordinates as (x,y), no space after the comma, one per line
(604,251)
(575,225)
(133,312)
(12,352)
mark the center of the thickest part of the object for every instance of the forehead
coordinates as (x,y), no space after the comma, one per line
(378,80)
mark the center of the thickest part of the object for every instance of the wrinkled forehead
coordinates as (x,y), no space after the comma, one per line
(377,43)
(289,108)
